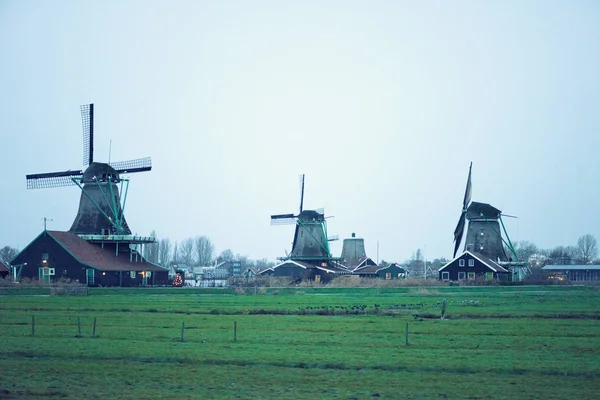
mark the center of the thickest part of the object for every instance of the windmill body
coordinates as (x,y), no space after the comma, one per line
(483,231)
(101,206)
(100,203)
(310,236)
(353,251)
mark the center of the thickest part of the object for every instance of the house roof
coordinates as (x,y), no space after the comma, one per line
(571,267)
(300,264)
(95,256)
(373,269)
(3,267)
(494,266)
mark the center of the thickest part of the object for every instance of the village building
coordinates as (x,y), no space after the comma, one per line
(55,255)
(469,266)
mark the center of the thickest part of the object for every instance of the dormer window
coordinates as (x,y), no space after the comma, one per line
(471,262)
(461,263)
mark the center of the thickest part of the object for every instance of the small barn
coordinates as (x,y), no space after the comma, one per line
(4,270)
(470,265)
(55,255)
(573,273)
(392,271)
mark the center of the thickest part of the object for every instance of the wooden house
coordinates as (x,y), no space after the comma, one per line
(470,265)
(55,255)
(4,270)
(573,273)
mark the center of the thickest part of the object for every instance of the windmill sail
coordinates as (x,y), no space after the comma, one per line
(460,227)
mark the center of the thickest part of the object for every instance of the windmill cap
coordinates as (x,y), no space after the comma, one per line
(100,171)
(477,210)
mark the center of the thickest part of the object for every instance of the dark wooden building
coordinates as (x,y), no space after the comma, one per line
(470,265)
(54,255)
(4,270)
(392,271)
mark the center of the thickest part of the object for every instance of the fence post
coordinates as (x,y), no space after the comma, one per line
(182,330)
(78,327)
(407,333)
(94,328)
(234,331)
(32,325)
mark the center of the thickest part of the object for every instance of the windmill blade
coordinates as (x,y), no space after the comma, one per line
(467,198)
(333,238)
(87,120)
(509,216)
(52,179)
(460,227)
(301,192)
(458,232)
(131,166)
(283,219)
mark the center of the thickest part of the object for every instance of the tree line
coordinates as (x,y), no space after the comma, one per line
(196,251)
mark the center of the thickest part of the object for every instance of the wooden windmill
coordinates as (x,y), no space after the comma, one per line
(101,208)
(311,242)
(483,230)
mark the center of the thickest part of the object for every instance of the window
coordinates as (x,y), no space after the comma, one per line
(445,276)
(471,262)
(461,276)
(51,271)
(388,275)
(132,274)
(461,263)
(44,256)
(471,275)
(489,276)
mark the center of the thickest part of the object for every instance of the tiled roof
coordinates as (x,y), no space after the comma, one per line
(3,267)
(95,256)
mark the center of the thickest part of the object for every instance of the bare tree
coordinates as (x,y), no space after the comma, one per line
(151,250)
(587,248)
(175,258)
(562,254)
(186,251)
(7,254)
(525,250)
(226,255)
(204,250)
(164,251)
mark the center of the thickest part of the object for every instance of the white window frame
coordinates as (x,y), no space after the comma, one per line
(461,262)
(471,276)
(445,275)
(471,262)
(464,276)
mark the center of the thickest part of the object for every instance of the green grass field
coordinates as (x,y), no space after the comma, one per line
(525,342)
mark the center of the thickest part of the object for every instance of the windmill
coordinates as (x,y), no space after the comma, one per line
(310,237)
(483,231)
(100,206)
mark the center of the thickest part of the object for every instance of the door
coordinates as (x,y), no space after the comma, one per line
(44,274)
(89,277)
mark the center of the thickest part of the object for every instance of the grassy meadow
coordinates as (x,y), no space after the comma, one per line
(522,342)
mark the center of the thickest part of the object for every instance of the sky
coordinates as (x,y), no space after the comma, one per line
(382,104)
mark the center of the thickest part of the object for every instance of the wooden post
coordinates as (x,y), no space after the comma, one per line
(182,330)
(78,327)
(407,333)
(234,331)
(32,325)
(94,328)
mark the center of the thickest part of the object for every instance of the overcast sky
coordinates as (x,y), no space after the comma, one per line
(382,104)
